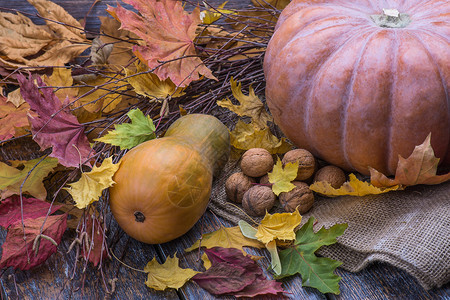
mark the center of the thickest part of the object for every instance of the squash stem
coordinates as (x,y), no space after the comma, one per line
(391,18)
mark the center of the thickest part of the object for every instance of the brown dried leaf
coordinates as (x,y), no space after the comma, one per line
(419,168)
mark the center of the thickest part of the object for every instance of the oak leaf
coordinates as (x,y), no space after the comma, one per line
(12,210)
(91,184)
(233,273)
(12,118)
(26,254)
(167,275)
(316,272)
(419,168)
(128,135)
(53,126)
(168,33)
(250,106)
(246,136)
(12,177)
(353,187)
(149,85)
(226,237)
(282,177)
(25,44)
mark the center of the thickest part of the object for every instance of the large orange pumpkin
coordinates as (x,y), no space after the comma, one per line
(163,186)
(357,84)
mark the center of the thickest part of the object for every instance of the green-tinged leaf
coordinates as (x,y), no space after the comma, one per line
(12,177)
(91,184)
(281,178)
(128,135)
(316,272)
(246,136)
(275,262)
(247,230)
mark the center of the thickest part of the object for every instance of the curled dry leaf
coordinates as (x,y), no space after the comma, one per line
(25,44)
(168,33)
(419,168)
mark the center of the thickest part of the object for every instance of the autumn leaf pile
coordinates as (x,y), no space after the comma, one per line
(84,102)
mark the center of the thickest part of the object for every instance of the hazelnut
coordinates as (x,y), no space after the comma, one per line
(306,162)
(331,174)
(256,162)
(300,197)
(257,200)
(236,185)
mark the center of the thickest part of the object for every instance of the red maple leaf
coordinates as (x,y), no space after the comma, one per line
(52,125)
(232,273)
(168,32)
(19,254)
(11,209)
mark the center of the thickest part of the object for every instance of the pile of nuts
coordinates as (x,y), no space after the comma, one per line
(252,188)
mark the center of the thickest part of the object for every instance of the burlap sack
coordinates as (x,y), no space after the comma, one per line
(409,229)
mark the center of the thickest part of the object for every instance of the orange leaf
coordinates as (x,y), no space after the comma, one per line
(12,118)
(168,33)
(419,168)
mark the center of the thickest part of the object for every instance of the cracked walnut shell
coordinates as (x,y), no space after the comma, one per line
(257,200)
(300,197)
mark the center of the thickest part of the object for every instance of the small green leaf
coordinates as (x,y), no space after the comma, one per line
(281,177)
(316,272)
(128,135)
(247,230)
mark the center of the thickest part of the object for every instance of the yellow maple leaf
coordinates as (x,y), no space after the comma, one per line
(91,184)
(353,187)
(61,79)
(419,168)
(279,226)
(282,177)
(246,136)
(250,106)
(226,237)
(12,177)
(167,275)
(149,84)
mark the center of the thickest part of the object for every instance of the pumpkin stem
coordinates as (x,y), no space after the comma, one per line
(391,18)
(139,217)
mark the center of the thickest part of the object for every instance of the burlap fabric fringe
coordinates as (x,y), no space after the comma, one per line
(409,229)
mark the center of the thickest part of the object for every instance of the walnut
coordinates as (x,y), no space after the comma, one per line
(258,199)
(331,174)
(236,185)
(306,163)
(256,162)
(300,197)
(264,180)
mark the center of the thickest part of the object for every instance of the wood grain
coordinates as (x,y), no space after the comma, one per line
(52,279)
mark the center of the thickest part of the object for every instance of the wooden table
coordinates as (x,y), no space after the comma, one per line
(52,279)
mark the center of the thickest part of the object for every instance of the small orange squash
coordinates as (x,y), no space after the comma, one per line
(163,185)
